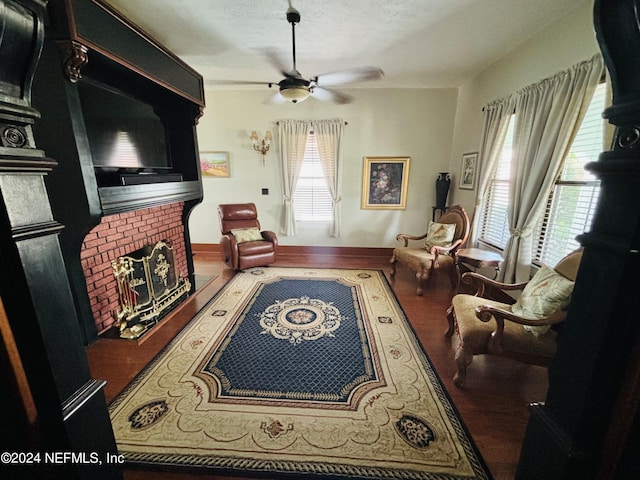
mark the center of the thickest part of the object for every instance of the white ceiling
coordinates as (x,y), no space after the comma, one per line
(417,43)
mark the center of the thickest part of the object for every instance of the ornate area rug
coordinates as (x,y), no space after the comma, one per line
(312,373)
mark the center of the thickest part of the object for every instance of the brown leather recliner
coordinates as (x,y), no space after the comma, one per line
(243,244)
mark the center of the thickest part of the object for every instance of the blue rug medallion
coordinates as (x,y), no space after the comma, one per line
(299,339)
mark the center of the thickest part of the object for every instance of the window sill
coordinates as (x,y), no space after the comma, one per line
(313,224)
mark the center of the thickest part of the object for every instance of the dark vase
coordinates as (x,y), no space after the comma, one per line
(442,189)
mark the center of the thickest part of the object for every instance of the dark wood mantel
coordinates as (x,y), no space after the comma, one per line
(87,39)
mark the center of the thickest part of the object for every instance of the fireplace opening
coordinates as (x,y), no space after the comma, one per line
(121,235)
(149,287)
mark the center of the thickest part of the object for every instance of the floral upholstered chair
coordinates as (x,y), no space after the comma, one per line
(522,330)
(436,249)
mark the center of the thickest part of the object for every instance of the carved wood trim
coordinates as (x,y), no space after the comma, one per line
(76,56)
(27,163)
(76,34)
(34,230)
(80,397)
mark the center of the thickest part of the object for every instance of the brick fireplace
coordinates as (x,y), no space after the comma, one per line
(121,234)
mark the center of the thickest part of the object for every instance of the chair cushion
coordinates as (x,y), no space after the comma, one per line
(246,234)
(439,234)
(246,249)
(546,293)
(475,333)
(237,215)
(416,259)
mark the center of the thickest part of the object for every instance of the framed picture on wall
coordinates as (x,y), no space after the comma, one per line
(214,164)
(469,170)
(384,183)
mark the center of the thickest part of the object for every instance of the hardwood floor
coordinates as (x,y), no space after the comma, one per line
(493,404)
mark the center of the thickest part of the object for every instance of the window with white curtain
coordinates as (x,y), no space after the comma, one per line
(572,201)
(311,200)
(494,225)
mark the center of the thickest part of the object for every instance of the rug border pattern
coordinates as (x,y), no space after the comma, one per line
(310,468)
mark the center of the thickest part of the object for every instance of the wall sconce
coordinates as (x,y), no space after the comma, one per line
(263,145)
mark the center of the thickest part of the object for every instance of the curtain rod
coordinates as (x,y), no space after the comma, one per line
(346,123)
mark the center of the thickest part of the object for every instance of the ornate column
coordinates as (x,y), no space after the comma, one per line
(66,410)
(589,423)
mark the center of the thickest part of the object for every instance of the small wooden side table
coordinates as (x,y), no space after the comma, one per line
(477,258)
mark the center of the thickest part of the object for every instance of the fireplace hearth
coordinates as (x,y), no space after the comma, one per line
(149,287)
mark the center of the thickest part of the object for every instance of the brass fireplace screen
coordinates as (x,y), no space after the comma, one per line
(149,287)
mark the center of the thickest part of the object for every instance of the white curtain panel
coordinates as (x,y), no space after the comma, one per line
(329,139)
(292,138)
(548,115)
(494,129)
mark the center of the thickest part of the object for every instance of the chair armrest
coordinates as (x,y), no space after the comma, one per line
(229,239)
(481,282)
(405,237)
(229,250)
(270,237)
(437,249)
(487,312)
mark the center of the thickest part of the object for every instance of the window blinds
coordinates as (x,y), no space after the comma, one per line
(312,200)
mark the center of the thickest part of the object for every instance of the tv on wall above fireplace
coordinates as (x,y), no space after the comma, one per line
(125,134)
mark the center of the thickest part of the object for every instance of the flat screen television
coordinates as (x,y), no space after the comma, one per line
(125,134)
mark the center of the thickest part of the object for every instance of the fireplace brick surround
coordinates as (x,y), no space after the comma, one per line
(121,234)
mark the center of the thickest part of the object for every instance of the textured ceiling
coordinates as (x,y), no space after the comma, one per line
(418,43)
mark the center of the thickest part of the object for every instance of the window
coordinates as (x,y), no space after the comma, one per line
(312,201)
(494,226)
(572,202)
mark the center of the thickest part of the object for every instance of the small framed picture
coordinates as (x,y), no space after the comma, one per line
(214,164)
(469,170)
(384,183)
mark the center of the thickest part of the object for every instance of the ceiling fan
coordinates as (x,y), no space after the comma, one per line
(295,88)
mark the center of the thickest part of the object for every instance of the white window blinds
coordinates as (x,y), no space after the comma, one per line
(494,227)
(572,202)
(312,201)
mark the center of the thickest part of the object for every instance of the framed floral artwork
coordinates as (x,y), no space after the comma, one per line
(384,183)
(214,164)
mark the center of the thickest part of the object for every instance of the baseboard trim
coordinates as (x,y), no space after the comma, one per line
(307,250)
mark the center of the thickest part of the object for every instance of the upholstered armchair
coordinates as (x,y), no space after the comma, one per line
(243,244)
(524,329)
(437,249)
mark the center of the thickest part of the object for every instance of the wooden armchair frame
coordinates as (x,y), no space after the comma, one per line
(501,331)
(424,261)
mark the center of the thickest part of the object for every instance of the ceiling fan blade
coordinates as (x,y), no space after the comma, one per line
(349,76)
(274,60)
(328,95)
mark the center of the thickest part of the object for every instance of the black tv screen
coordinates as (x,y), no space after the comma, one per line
(124,133)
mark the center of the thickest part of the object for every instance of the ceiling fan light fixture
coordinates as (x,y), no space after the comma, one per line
(295,94)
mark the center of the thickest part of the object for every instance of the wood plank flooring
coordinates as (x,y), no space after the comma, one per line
(493,404)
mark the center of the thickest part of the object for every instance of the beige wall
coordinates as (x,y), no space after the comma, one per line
(432,126)
(567,41)
(398,122)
